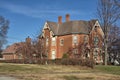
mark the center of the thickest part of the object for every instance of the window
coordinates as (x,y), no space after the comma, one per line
(61,42)
(75,51)
(75,39)
(95,28)
(85,39)
(96,40)
(53,41)
(47,41)
(53,54)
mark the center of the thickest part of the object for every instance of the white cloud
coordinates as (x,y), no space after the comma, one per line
(36,12)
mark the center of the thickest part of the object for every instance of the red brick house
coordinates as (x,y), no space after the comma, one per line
(11,52)
(60,37)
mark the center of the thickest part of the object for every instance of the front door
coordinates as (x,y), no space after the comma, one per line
(53,54)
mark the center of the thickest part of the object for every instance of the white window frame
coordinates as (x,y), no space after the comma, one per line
(47,41)
(61,42)
(75,51)
(75,39)
(53,41)
(52,54)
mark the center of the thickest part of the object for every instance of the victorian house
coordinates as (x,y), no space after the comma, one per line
(84,38)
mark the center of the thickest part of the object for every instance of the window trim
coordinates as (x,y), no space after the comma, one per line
(61,42)
(53,41)
(75,41)
(47,41)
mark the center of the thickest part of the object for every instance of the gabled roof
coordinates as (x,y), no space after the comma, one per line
(13,48)
(71,27)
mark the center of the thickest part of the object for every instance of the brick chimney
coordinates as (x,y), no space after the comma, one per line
(28,40)
(67,17)
(59,19)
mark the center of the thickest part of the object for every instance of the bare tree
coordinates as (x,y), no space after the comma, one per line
(108,12)
(114,35)
(113,44)
(4,25)
(39,48)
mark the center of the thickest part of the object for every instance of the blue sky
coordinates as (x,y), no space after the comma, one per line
(28,16)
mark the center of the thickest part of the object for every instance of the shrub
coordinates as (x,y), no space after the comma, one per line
(65,55)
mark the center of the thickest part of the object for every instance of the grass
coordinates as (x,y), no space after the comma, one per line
(70,78)
(59,72)
(77,78)
(109,69)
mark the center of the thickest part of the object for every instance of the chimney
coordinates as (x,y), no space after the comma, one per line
(60,20)
(67,17)
(28,40)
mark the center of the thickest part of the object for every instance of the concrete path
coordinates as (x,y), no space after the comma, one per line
(7,78)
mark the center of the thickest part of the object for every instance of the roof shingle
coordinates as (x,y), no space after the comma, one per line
(71,27)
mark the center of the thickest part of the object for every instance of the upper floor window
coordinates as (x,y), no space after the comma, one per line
(75,39)
(96,40)
(85,39)
(61,42)
(53,41)
(47,40)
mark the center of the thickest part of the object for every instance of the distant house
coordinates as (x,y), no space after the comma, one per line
(60,37)
(12,52)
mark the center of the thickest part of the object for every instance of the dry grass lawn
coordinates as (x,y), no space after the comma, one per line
(59,72)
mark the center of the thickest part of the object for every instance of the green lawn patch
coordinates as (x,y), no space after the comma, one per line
(108,69)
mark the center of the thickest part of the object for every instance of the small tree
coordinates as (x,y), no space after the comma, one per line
(65,55)
(114,35)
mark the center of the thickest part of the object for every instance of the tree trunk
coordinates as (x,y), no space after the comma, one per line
(106,47)
(105,60)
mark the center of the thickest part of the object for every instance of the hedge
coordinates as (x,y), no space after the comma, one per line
(65,61)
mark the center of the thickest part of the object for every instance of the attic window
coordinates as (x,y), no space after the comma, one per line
(95,28)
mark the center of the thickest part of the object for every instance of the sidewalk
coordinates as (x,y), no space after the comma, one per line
(7,78)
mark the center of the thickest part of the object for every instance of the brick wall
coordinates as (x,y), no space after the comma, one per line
(9,56)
